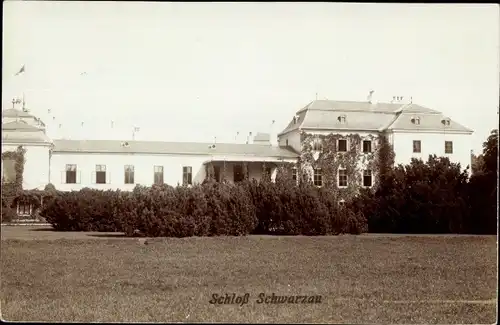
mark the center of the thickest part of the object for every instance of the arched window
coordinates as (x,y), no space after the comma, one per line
(446,122)
(342,119)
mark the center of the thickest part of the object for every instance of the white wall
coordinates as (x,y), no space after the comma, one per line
(143,168)
(432,143)
(115,169)
(293,138)
(36,167)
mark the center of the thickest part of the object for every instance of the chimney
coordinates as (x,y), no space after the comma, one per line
(273,135)
(370,96)
(249,138)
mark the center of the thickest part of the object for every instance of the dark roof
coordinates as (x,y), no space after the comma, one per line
(158,147)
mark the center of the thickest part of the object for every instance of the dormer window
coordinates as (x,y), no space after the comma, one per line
(317,144)
(342,119)
(446,122)
(415,120)
(295,119)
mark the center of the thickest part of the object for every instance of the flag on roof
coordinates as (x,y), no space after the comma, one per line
(23,68)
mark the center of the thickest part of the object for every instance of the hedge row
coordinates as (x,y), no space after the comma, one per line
(431,197)
(211,209)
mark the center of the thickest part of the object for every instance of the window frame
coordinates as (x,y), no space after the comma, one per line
(217,173)
(317,144)
(187,175)
(446,151)
(346,145)
(318,177)
(339,178)
(71,170)
(419,142)
(158,176)
(365,176)
(129,174)
(99,170)
(295,174)
(370,146)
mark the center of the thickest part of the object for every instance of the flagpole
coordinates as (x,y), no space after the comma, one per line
(24,103)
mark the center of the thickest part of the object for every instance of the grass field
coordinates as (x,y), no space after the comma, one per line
(362,279)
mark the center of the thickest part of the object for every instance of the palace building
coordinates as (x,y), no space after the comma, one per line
(333,143)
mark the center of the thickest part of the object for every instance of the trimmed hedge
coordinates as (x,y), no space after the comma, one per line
(211,209)
(431,197)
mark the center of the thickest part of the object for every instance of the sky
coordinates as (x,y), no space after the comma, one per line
(209,71)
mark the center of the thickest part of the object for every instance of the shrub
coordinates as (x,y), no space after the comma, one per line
(8,214)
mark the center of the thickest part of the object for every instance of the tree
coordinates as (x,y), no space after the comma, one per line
(490,152)
(483,189)
(477,163)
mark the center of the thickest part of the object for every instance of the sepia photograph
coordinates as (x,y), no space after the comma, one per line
(246,162)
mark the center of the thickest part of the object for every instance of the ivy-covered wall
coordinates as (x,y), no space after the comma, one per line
(320,151)
(11,189)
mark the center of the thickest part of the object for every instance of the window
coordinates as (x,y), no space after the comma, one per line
(294,174)
(448,147)
(415,120)
(318,177)
(342,178)
(187,175)
(317,144)
(100,174)
(342,119)
(217,173)
(446,122)
(342,203)
(158,175)
(129,174)
(367,178)
(70,174)
(9,170)
(417,146)
(342,145)
(367,146)
(237,173)
(24,208)
(286,142)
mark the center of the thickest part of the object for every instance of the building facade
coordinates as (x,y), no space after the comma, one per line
(332,143)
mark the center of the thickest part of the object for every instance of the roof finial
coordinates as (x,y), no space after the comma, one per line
(370,95)
(24,103)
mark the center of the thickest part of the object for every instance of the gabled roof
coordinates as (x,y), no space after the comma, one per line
(12,112)
(158,147)
(366,116)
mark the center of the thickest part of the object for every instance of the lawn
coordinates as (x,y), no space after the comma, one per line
(361,279)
